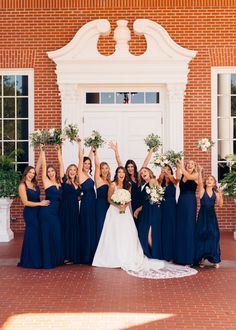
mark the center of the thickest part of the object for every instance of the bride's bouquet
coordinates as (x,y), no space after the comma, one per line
(155,192)
(71,132)
(153,141)
(95,140)
(121,197)
(205,144)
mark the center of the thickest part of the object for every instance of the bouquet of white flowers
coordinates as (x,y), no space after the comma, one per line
(55,136)
(161,160)
(205,144)
(95,140)
(153,141)
(172,156)
(121,197)
(155,192)
(71,132)
(39,137)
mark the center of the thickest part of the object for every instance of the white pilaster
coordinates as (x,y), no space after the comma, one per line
(6,234)
(174,117)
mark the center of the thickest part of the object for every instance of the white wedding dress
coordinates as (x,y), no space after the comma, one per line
(119,247)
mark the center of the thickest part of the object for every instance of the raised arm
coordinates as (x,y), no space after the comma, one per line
(91,153)
(148,157)
(219,198)
(44,165)
(178,170)
(114,147)
(60,160)
(39,163)
(97,169)
(200,181)
(81,159)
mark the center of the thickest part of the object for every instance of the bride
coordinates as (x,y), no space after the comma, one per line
(119,246)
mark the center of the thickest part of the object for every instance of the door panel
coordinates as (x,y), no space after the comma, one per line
(127,128)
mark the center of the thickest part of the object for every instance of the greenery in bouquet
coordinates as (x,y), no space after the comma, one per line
(71,132)
(55,136)
(204,144)
(155,193)
(95,140)
(39,137)
(153,141)
(172,156)
(9,178)
(160,160)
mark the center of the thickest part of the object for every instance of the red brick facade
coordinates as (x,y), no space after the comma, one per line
(30,28)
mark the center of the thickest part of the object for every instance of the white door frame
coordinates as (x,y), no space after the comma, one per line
(164,62)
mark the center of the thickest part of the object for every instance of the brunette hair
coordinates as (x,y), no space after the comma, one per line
(26,171)
(130,161)
(152,176)
(126,182)
(84,160)
(204,183)
(109,173)
(67,177)
(171,171)
(56,175)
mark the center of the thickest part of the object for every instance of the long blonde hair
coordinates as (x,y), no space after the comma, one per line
(151,174)
(204,183)
(68,179)
(109,173)
(195,166)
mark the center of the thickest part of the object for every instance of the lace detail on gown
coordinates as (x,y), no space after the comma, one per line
(119,247)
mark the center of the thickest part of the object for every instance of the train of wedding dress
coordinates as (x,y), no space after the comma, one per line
(119,247)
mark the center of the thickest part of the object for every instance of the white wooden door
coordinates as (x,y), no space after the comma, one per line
(128,128)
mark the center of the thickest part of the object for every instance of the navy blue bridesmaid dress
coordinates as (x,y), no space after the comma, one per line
(168,211)
(150,216)
(87,223)
(186,222)
(31,256)
(135,198)
(207,231)
(51,229)
(102,206)
(69,215)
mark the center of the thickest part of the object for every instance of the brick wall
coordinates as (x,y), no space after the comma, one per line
(31,28)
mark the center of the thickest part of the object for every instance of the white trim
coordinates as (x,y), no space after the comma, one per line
(214,125)
(30,74)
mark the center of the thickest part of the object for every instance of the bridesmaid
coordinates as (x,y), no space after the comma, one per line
(168,211)
(149,217)
(31,256)
(87,219)
(186,213)
(49,216)
(102,177)
(132,171)
(207,228)
(69,211)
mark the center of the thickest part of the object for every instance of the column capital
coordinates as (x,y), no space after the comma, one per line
(176,91)
(69,92)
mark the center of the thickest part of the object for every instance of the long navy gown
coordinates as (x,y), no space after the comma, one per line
(69,215)
(150,216)
(102,206)
(31,256)
(168,211)
(87,223)
(186,222)
(207,231)
(135,198)
(51,229)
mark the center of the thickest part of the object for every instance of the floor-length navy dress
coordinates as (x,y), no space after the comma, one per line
(207,231)
(186,222)
(102,206)
(69,215)
(31,256)
(135,198)
(168,213)
(87,223)
(51,229)
(150,216)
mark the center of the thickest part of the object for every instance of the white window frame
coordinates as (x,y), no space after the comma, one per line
(30,74)
(214,124)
